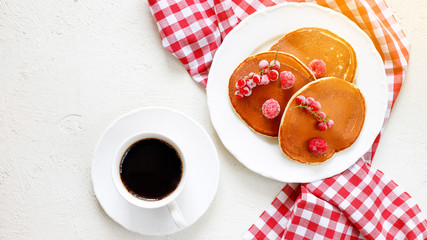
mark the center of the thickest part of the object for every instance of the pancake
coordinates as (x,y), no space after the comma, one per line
(308,44)
(249,108)
(341,101)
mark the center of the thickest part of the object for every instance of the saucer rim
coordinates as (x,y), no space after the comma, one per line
(215,159)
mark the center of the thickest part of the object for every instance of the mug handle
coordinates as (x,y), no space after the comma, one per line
(176,214)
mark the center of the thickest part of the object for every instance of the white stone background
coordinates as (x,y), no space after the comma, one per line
(69,68)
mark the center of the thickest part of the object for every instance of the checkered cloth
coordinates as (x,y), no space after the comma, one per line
(360,203)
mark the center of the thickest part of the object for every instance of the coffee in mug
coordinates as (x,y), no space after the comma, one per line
(151,169)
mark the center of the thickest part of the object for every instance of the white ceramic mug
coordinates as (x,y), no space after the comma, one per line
(169,200)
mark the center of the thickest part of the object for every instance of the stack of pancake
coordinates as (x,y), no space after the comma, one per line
(340,99)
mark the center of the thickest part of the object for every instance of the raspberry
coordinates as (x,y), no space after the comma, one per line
(317,146)
(250,83)
(264,80)
(270,109)
(240,83)
(287,79)
(318,67)
(263,64)
(256,78)
(273,75)
(309,101)
(300,100)
(322,126)
(315,106)
(330,123)
(275,65)
(238,95)
(321,117)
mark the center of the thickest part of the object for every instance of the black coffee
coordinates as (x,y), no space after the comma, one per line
(151,169)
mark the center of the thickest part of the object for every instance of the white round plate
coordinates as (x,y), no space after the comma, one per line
(256,34)
(203,170)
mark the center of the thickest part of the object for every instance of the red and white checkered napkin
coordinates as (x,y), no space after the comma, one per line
(360,202)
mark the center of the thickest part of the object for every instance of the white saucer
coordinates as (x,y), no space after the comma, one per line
(203,170)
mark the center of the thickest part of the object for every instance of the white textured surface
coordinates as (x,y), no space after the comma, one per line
(70,67)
